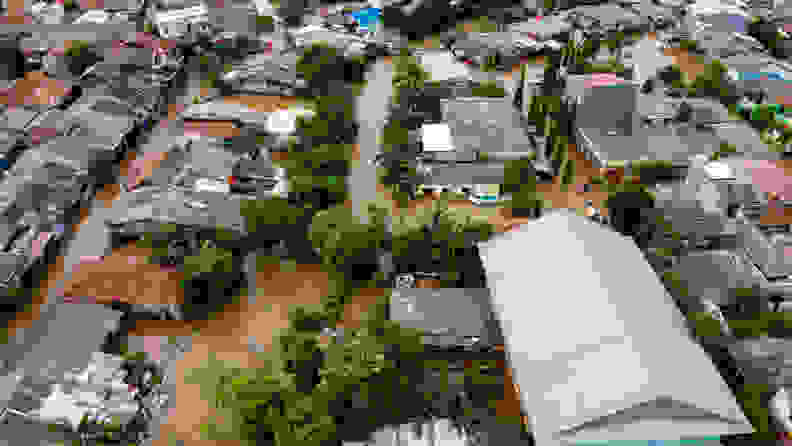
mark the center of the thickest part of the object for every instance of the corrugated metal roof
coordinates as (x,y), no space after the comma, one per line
(557,347)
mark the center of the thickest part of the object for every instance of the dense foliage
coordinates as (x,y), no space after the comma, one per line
(327,71)
(312,390)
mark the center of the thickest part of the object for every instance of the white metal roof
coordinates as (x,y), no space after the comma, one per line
(593,358)
(719,171)
(284,122)
(436,138)
(94,16)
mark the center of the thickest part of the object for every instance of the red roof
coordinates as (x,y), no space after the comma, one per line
(604,80)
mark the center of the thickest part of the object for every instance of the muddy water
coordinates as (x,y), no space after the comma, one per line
(35,89)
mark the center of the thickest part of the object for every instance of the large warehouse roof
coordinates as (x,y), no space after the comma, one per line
(597,346)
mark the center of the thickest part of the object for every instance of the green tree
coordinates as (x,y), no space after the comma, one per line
(519,175)
(408,74)
(345,243)
(568,175)
(307,389)
(489,89)
(323,67)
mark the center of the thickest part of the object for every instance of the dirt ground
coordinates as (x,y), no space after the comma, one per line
(35,89)
(690,64)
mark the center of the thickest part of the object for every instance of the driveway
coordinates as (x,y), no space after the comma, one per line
(371,110)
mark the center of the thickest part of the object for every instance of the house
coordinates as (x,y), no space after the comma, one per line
(464,176)
(146,209)
(606,16)
(555,366)
(64,378)
(442,66)
(547,28)
(470,327)
(92,155)
(175,19)
(619,135)
(106,116)
(483,125)
(218,110)
(236,17)
(725,21)
(744,137)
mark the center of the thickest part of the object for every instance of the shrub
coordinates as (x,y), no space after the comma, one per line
(725,149)
(489,89)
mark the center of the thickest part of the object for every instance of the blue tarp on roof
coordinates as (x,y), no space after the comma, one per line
(366,18)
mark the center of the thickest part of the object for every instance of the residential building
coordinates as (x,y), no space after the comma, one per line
(477,125)
(591,91)
(744,137)
(471,327)
(554,367)
(552,27)
(618,135)
(72,396)
(176,19)
(725,21)
(91,154)
(759,73)
(147,208)
(463,177)
(606,16)
(219,110)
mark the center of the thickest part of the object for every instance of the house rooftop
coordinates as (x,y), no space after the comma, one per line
(428,310)
(546,28)
(174,206)
(654,143)
(79,151)
(466,174)
(578,84)
(488,125)
(608,14)
(744,137)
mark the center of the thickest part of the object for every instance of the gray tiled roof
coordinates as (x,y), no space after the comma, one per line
(170,207)
(576,84)
(610,14)
(479,173)
(768,256)
(455,312)
(122,5)
(83,152)
(141,57)
(543,29)
(743,136)
(17,118)
(651,143)
(486,125)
